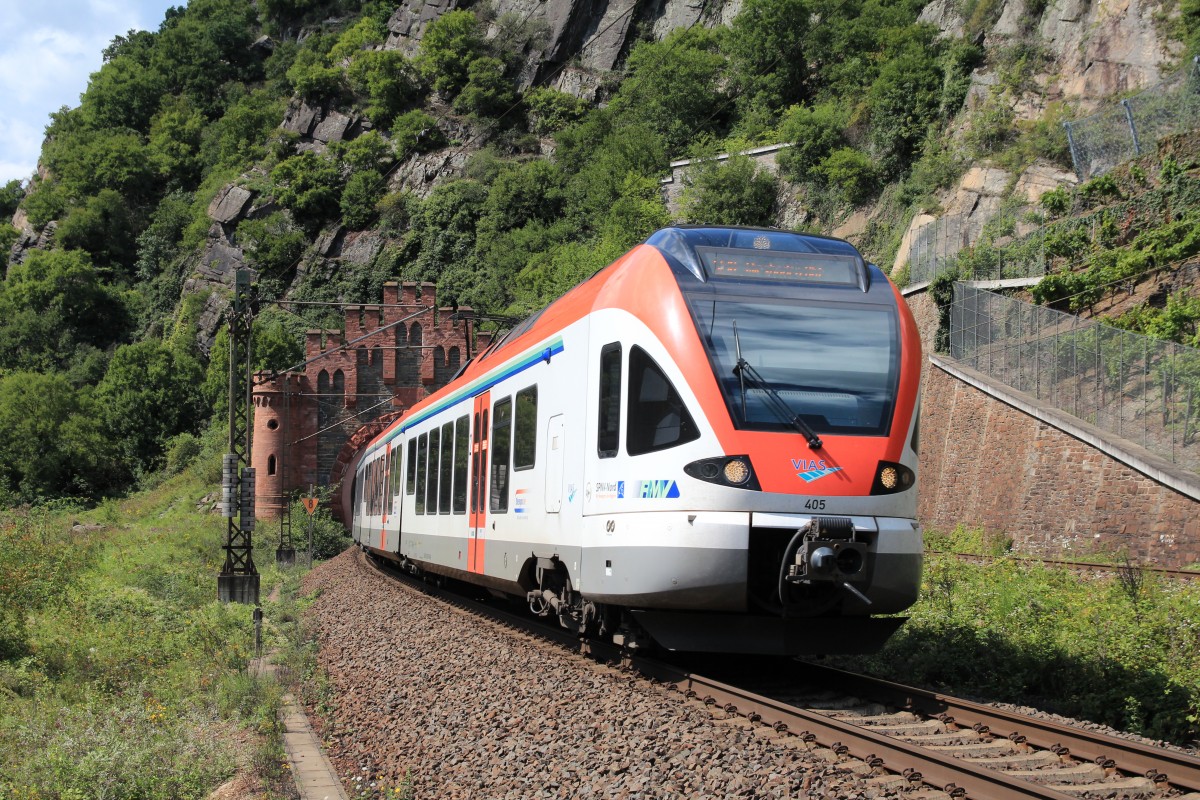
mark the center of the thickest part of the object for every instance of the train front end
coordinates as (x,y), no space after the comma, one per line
(802,363)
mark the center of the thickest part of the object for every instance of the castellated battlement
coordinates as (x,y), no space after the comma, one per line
(386,358)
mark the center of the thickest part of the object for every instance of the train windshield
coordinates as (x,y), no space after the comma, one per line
(835,366)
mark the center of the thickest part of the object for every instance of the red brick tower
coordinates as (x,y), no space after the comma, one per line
(388,357)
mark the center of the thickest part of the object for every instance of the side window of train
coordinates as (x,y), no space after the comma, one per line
(422,449)
(525,429)
(500,448)
(444,486)
(431,489)
(608,432)
(462,451)
(396,461)
(411,476)
(657,417)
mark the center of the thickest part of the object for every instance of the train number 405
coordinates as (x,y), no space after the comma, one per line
(815,505)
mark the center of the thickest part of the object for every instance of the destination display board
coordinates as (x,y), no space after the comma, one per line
(775,265)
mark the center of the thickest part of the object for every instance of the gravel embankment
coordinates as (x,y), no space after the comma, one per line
(467,711)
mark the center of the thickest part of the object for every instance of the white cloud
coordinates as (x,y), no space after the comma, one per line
(47,51)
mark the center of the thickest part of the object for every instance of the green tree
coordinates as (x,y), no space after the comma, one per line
(766,46)
(277,339)
(369,151)
(149,394)
(123,94)
(851,172)
(386,80)
(11,195)
(416,132)
(206,47)
(674,87)
(551,110)
(314,78)
(448,46)
(814,133)
(52,302)
(363,190)
(271,243)
(237,138)
(310,186)
(103,228)
(174,145)
(46,200)
(365,33)
(50,441)
(903,101)
(733,192)
(85,160)
(488,93)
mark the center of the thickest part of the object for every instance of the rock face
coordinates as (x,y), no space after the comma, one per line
(1102,48)
(570,45)
(229,204)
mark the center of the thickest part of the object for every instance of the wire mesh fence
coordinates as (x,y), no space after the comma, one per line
(1010,245)
(1133,126)
(1141,389)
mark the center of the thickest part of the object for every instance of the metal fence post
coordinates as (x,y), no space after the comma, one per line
(1075,160)
(1137,147)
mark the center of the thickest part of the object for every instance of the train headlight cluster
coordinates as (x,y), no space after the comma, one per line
(737,471)
(733,471)
(891,477)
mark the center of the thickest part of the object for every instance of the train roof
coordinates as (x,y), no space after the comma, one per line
(699,253)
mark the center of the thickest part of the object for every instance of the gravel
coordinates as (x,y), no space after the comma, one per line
(464,709)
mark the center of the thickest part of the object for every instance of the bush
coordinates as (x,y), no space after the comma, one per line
(731,193)
(851,172)
(814,133)
(551,110)
(416,132)
(363,191)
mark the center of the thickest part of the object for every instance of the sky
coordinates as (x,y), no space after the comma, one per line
(48,48)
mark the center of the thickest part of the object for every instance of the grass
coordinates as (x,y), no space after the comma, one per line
(121,676)
(1122,650)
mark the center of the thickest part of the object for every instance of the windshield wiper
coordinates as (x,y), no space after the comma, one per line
(777,404)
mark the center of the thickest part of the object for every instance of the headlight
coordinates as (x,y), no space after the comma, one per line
(891,478)
(735,471)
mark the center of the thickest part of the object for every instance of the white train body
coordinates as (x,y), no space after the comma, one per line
(583,462)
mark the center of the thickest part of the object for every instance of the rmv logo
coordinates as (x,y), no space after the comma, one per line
(655,490)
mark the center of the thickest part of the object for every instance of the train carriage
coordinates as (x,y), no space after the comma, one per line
(710,443)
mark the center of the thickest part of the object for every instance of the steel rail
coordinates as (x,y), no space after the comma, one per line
(1181,770)
(952,775)
(914,763)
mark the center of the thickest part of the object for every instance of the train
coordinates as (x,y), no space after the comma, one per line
(710,445)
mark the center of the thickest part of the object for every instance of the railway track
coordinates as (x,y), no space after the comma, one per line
(1075,566)
(902,737)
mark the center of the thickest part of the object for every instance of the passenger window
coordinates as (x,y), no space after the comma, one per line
(422,450)
(657,417)
(501,441)
(525,430)
(608,433)
(431,490)
(445,487)
(412,466)
(462,447)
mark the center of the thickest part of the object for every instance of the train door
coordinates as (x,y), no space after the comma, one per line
(477,516)
(385,497)
(555,447)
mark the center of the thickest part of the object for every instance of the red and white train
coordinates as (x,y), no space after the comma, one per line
(711,443)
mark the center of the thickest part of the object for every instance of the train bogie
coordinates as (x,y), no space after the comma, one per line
(715,435)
